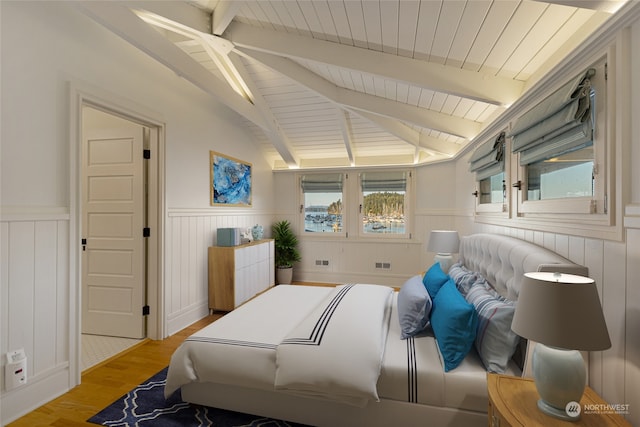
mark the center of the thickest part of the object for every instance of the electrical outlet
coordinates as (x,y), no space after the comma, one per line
(15,371)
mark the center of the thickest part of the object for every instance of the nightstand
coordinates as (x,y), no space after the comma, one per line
(513,401)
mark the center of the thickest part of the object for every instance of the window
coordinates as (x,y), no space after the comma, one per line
(569,173)
(322,203)
(383,203)
(564,176)
(559,163)
(558,143)
(488,163)
(492,189)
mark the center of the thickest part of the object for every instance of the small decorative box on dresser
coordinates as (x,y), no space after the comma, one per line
(238,273)
(513,401)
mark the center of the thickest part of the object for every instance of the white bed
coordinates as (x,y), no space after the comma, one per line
(262,357)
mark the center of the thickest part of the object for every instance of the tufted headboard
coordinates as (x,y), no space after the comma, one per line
(502,260)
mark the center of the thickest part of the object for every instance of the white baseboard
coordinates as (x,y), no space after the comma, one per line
(186,317)
(38,391)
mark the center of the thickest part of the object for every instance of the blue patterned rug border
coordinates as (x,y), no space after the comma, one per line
(145,406)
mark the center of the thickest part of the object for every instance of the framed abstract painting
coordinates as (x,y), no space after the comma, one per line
(230,181)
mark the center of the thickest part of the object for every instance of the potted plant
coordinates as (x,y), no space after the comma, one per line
(286,251)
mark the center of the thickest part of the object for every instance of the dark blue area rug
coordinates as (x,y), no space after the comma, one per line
(145,406)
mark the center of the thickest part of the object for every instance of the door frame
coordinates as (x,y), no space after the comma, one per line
(82,94)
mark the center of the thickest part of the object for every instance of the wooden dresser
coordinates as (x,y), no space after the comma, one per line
(238,273)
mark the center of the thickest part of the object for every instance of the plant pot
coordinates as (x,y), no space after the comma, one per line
(284,275)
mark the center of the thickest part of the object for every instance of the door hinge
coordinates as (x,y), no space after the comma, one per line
(145,310)
(146,154)
(146,232)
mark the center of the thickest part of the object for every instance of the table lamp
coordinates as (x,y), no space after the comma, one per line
(562,313)
(443,243)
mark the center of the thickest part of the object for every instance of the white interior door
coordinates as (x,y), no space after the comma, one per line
(113,257)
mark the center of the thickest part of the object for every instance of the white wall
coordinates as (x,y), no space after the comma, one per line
(353,258)
(45,46)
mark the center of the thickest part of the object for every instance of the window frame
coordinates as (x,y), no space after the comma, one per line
(492,207)
(408,207)
(611,167)
(499,209)
(588,209)
(334,234)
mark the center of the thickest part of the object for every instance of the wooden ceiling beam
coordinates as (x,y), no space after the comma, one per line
(122,21)
(440,78)
(609,6)
(412,136)
(360,101)
(278,139)
(346,134)
(222,15)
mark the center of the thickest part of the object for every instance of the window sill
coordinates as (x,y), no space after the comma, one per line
(596,226)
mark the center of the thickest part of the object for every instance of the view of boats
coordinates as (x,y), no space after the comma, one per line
(384,214)
(383,224)
(316,221)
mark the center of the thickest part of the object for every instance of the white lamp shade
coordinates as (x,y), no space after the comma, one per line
(443,242)
(561,310)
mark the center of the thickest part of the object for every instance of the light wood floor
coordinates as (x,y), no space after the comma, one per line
(106,382)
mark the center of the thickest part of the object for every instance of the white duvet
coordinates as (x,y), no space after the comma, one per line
(336,351)
(325,342)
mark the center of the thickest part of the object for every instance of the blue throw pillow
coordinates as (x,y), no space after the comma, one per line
(414,307)
(454,322)
(433,279)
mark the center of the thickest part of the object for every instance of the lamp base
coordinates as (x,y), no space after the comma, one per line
(445,260)
(560,378)
(555,412)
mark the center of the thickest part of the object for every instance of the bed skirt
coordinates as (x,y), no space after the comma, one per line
(323,413)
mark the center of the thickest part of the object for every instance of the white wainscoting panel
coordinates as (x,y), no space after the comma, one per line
(35,308)
(189,234)
(632,340)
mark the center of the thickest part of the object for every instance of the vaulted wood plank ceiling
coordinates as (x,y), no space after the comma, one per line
(333,83)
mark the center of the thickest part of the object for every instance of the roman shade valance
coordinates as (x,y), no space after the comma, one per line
(488,159)
(384,181)
(322,183)
(561,123)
